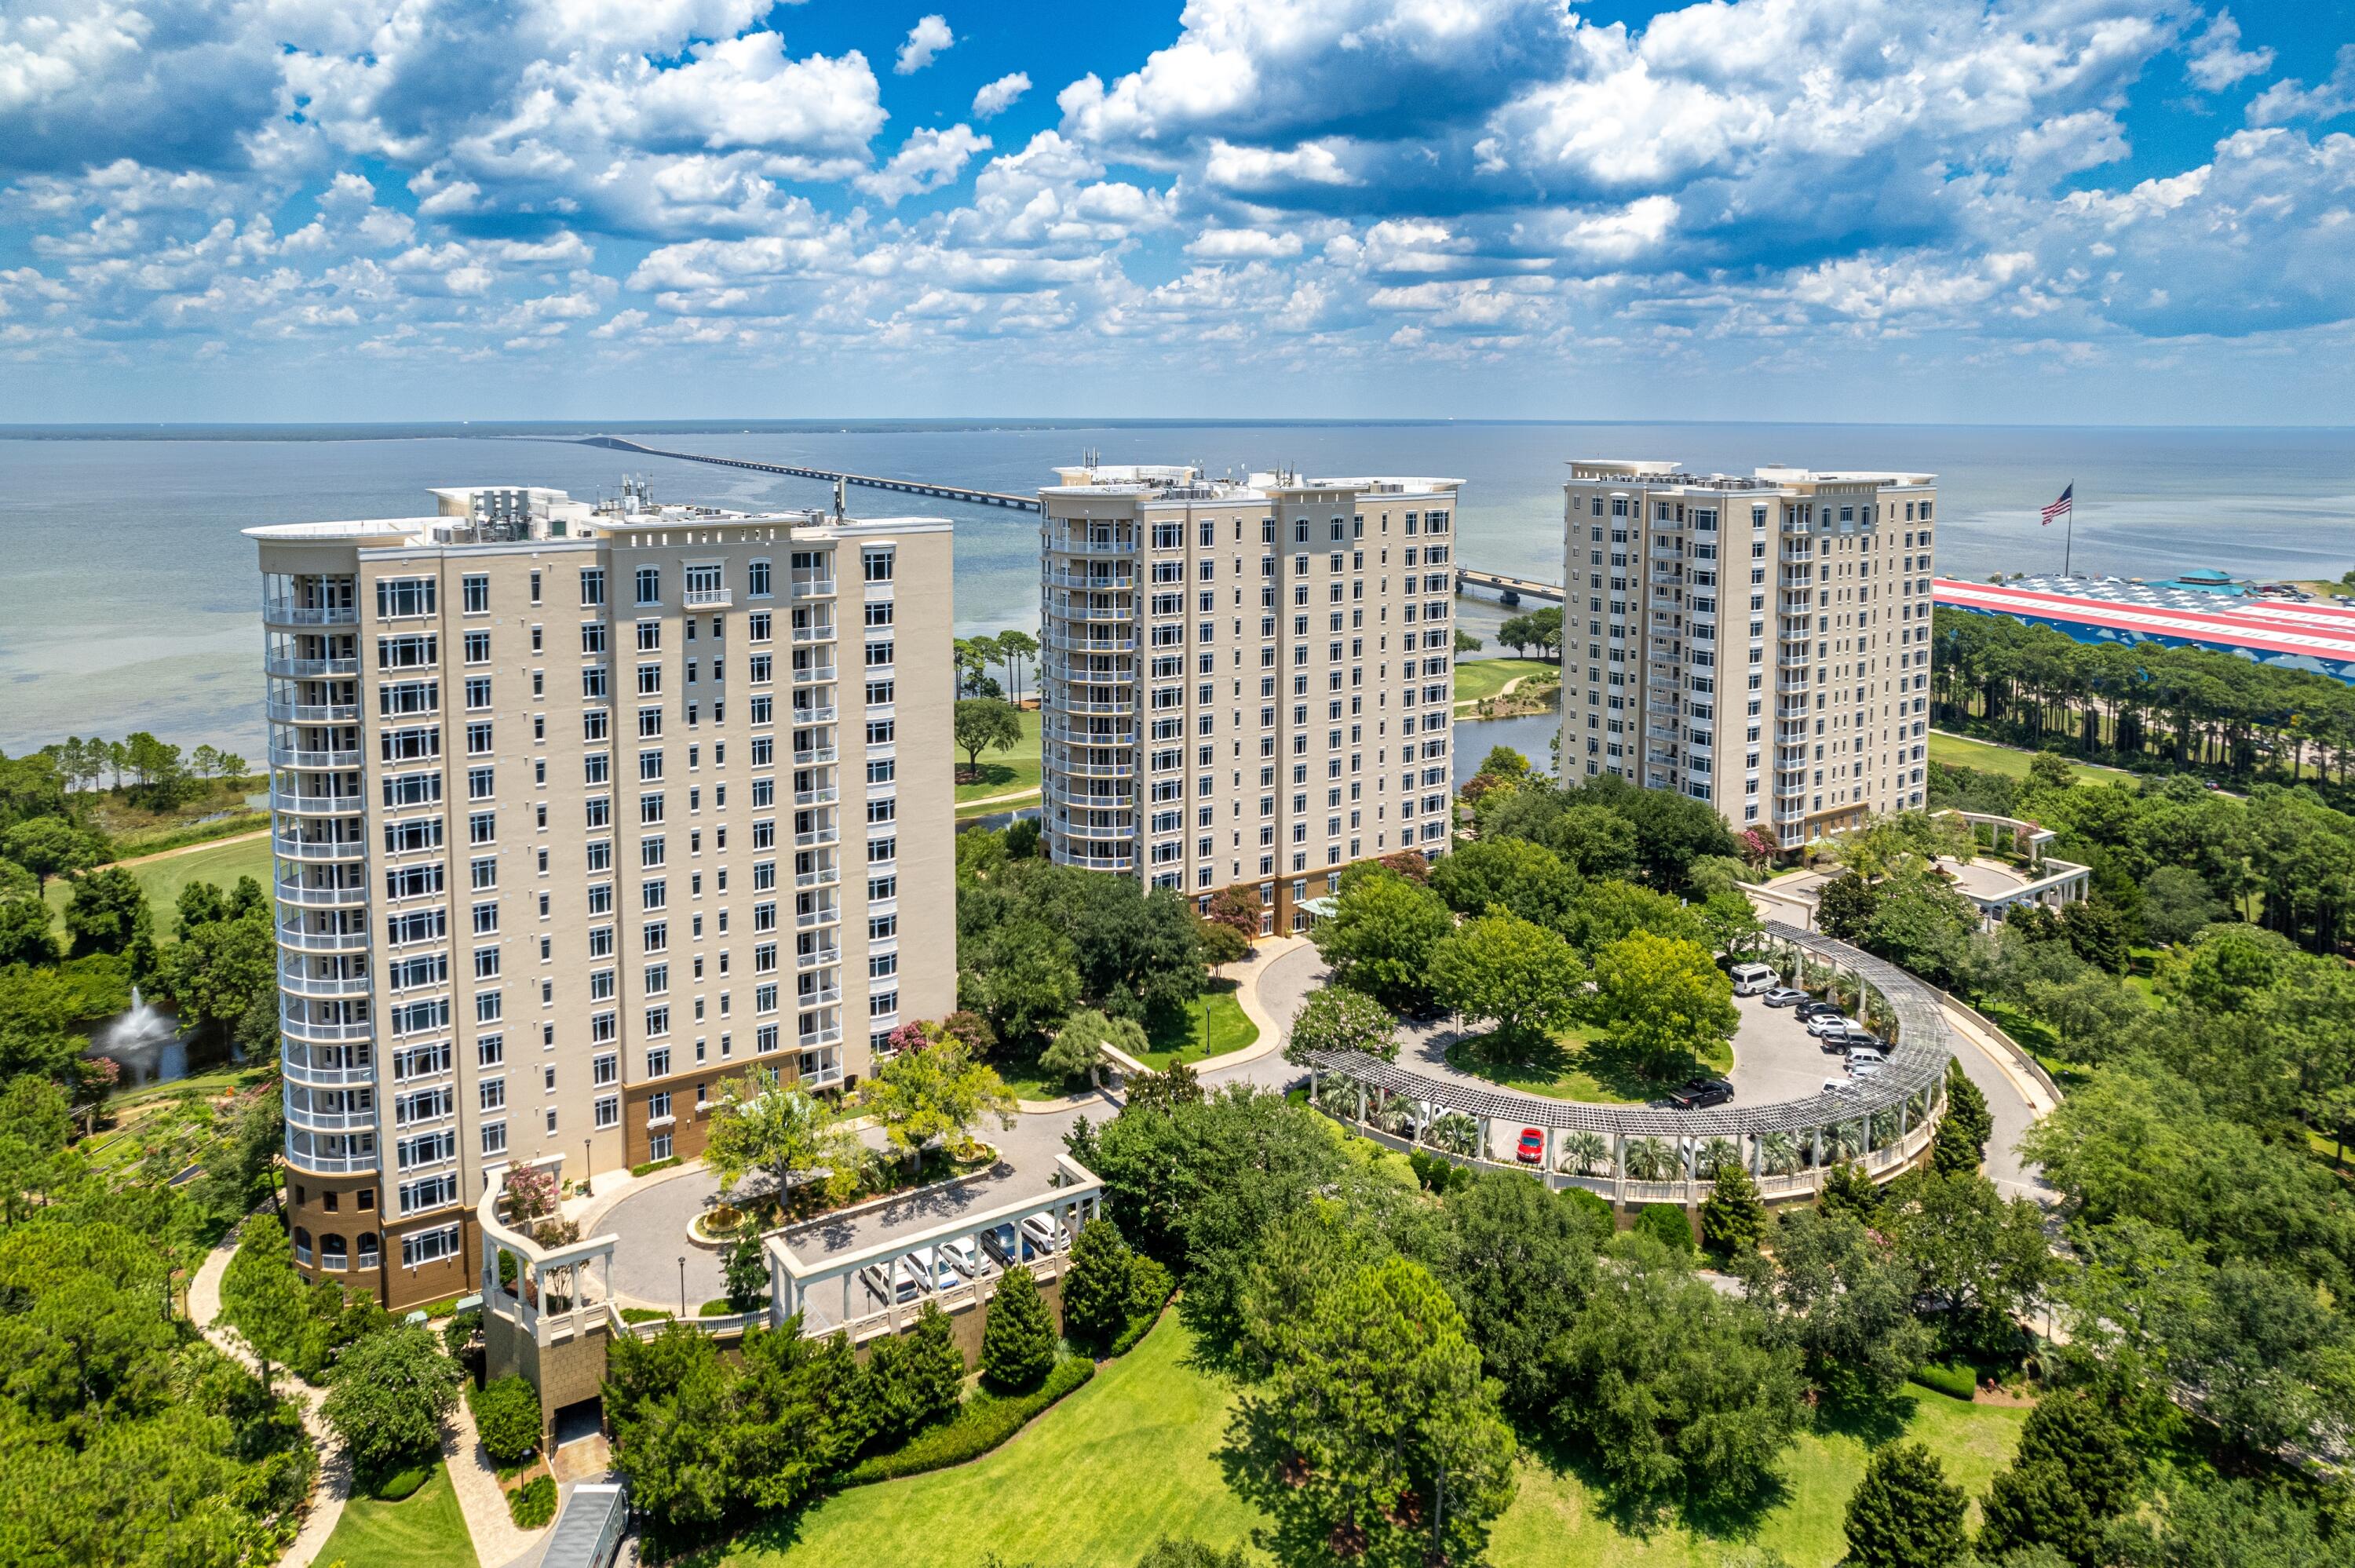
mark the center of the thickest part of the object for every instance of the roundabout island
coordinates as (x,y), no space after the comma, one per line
(1784,1126)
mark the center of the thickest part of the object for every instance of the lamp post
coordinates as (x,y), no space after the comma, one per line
(682,1288)
(584,1169)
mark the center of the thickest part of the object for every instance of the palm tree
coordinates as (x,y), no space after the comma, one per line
(1779,1153)
(1583,1153)
(1714,1156)
(1652,1159)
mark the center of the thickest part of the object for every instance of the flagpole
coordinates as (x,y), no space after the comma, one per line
(2069,539)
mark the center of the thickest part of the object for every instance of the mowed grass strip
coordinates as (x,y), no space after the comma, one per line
(2011,761)
(1478,678)
(1132,1455)
(425,1530)
(162,877)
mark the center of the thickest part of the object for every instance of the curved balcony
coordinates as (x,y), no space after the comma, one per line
(1097,833)
(311,1034)
(301,849)
(1094,614)
(813,677)
(343,805)
(825,876)
(826,997)
(294,938)
(291,669)
(304,897)
(817,837)
(1121,581)
(1106,710)
(1120,863)
(814,633)
(342,1162)
(331,987)
(293,1065)
(312,713)
(315,761)
(1070,546)
(816,796)
(810,716)
(286,612)
(329,1121)
(830,916)
(1072,643)
(1095,769)
(817,757)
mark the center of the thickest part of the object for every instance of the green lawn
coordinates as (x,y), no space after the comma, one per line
(424,1531)
(1582,1067)
(1481,678)
(162,876)
(1214,1025)
(1004,772)
(1132,1455)
(2011,761)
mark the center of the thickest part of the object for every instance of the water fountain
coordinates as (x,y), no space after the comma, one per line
(144,1043)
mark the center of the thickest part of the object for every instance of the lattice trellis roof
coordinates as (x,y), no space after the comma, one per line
(1916,1060)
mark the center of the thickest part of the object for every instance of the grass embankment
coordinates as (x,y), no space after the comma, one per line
(1212,1024)
(1134,1456)
(1004,772)
(1581,1066)
(2011,761)
(1479,678)
(162,877)
(424,1530)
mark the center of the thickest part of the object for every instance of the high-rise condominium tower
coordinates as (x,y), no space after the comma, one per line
(1245,684)
(579,810)
(1761,644)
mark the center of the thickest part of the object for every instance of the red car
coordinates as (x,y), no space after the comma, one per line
(1530,1151)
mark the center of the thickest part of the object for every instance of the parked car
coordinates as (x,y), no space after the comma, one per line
(1530,1149)
(934,1270)
(1000,1241)
(1699,1094)
(1850,1040)
(1824,1023)
(1817,1009)
(1046,1231)
(894,1282)
(962,1257)
(1784,996)
(1863,1062)
(1839,1087)
(1754,980)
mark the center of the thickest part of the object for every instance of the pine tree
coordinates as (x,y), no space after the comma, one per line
(1961,1142)
(1732,1217)
(1849,1191)
(1018,1343)
(2031,1503)
(1096,1289)
(1905,1513)
(2081,1437)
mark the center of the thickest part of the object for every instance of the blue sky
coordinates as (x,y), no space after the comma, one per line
(2053,211)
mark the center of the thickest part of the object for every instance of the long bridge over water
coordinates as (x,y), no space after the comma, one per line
(1511,589)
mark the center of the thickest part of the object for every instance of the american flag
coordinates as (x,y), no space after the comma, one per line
(2061,507)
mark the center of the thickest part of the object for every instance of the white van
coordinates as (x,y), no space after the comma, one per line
(1754,980)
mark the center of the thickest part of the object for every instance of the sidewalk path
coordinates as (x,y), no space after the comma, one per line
(480,1498)
(335,1487)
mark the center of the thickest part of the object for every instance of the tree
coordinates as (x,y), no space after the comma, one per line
(1662,1001)
(1848,1303)
(670,1402)
(2031,1503)
(1844,906)
(1236,910)
(921,1097)
(1518,974)
(25,937)
(1676,1390)
(263,1296)
(1380,938)
(1524,878)
(1984,1260)
(1017,1342)
(1100,1286)
(1519,1262)
(745,1275)
(1847,1189)
(1220,944)
(1080,1045)
(108,909)
(1960,1143)
(1023,980)
(1375,1433)
(763,1124)
(47,847)
(916,1378)
(1666,1223)
(220,968)
(2096,933)
(1339,1019)
(1465,643)
(1731,922)
(1016,649)
(1178,1552)
(507,1419)
(389,1395)
(982,723)
(2177,905)
(2079,1433)
(1733,1217)
(1905,1513)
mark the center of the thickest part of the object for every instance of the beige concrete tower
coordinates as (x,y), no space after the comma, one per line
(1245,683)
(580,809)
(1761,644)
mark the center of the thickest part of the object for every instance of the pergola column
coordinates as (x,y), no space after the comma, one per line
(1482,1152)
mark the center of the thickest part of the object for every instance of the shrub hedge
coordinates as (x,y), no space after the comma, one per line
(533,1504)
(651,1166)
(1949,1379)
(985,1421)
(396,1486)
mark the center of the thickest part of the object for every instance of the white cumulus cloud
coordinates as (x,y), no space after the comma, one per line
(925,42)
(996,98)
